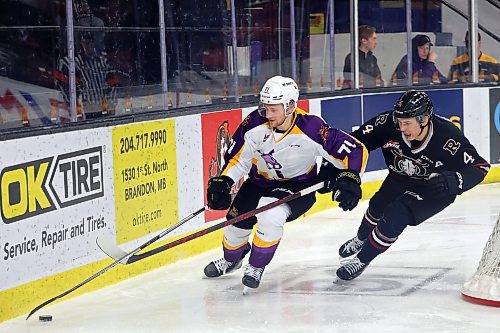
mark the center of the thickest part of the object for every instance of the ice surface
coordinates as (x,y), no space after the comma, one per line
(413,287)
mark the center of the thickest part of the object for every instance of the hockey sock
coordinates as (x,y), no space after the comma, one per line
(368,223)
(233,254)
(377,243)
(262,252)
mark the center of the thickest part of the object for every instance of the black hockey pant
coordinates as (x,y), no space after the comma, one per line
(398,203)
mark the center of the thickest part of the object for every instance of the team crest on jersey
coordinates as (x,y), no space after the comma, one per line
(271,161)
(404,165)
(391,145)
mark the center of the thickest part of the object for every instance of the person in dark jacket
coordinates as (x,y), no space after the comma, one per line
(424,70)
(369,72)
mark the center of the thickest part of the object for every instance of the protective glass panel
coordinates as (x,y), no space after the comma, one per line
(117,58)
(29,48)
(197,37)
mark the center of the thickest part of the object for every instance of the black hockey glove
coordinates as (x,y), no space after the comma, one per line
(327,173)
(219,192)
(446,183)
(347,189)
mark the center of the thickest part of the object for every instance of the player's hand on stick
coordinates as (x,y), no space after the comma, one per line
(328,174)
(347,189)
(445,183)
(219,192)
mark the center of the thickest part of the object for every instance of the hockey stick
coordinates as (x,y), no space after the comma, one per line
(124,258)
(132,257)
(113,250)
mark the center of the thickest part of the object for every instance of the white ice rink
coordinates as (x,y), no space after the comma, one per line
(413,287)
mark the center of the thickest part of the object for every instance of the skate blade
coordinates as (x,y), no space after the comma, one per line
(339,281)
(246,290)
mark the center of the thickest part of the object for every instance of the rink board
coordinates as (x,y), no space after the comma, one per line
(128,182)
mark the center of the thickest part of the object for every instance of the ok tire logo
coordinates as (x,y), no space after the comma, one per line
(26,190)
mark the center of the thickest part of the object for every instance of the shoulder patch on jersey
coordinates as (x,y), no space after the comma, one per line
(452,146)
(324,132)
(246,120)
(381,119)
(314,127)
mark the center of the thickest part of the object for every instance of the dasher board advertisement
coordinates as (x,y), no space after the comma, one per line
(56,197)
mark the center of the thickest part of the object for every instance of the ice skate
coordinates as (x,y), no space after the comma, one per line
(221,266)
(251,277)
(351,247)
(351,269)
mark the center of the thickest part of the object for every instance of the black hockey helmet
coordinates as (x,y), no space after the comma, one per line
(413,104)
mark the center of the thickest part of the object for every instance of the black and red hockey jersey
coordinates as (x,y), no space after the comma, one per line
(444,149)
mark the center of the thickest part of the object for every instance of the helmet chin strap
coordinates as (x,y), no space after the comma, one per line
(423,126)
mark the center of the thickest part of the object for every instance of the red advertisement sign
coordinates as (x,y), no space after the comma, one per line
(304,105)
(217,129)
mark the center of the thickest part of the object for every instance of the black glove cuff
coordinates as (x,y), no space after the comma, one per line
(221,181)
(350,175)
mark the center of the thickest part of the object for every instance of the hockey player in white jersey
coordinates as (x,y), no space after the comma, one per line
(277,146)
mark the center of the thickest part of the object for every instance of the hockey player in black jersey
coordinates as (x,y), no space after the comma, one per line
(430,162)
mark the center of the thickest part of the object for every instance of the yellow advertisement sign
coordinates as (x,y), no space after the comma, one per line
(145,178)
(317,23)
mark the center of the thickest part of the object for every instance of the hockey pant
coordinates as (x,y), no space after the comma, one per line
(270,223)
(395,206)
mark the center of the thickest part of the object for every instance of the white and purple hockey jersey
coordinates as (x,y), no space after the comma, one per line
(269,156)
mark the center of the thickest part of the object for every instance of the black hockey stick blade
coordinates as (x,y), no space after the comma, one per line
(113,249)
(117,262)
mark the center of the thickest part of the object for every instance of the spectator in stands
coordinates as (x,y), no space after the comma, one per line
(96,80)
(489,68)
(424,70)
(84,17)
(369,71)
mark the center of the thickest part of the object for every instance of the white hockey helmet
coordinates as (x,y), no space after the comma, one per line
(279,90)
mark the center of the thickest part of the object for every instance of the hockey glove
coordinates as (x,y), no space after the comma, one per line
(219,192)
(327,174)
(347,189)
(446,183)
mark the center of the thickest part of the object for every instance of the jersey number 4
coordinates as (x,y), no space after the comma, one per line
(368,129)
